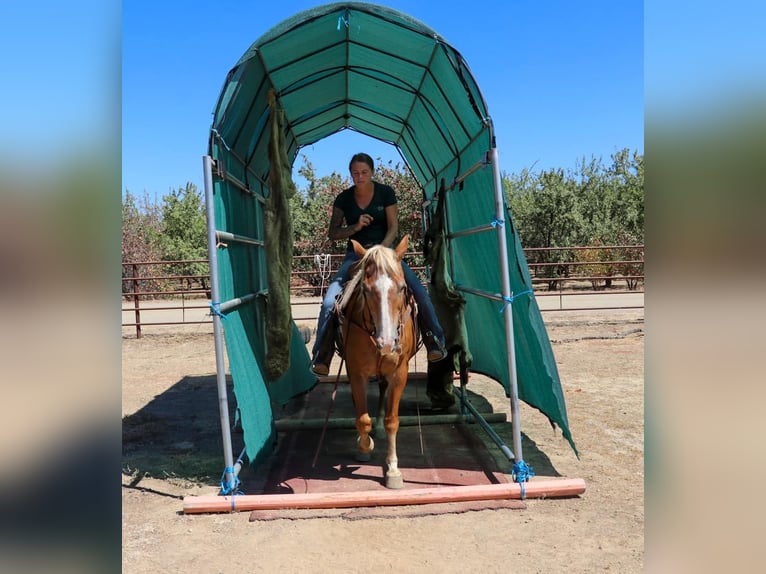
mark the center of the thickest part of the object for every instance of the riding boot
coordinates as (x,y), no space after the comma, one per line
(434,346)
(320,365)
(439,387)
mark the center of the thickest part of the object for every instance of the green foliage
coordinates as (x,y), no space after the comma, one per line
(184,231)
(594,204)
(311,212)
(612,200)
(544,212)
(631,271)
(596,268)
(174,230)
(140,230)
(591,205)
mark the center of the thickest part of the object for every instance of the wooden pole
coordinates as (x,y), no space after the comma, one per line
(245,502)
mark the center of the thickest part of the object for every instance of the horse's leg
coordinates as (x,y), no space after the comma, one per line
(364,442)
(395,390)
(382,388)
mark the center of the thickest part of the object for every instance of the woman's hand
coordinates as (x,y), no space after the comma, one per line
(364,221)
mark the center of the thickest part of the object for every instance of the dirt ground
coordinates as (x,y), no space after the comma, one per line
(600,357)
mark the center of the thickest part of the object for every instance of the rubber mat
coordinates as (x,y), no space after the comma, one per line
(322,459)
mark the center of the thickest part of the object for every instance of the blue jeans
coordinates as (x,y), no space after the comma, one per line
(426,314)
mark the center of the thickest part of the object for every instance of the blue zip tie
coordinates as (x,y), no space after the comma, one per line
(215,309)
(509,300)
(231,487)
(343,20)
(497,222)
(521,474)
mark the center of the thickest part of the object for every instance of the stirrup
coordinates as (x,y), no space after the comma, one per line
(435,348)
(320,369)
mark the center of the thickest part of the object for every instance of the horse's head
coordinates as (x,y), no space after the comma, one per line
(384,292)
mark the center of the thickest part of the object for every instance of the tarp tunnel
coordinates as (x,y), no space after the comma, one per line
(377,71)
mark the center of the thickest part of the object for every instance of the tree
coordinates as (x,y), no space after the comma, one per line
(140,229)
(184,232)
(611,205)
(543,207)
(591,205)
(611,199)
(409,196)
(626,174)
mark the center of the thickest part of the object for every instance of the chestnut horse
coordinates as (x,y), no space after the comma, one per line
(378,327)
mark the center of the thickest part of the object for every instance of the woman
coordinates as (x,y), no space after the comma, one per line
(367,212)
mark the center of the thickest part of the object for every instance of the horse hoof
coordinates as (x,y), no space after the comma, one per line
(394,482)
(363,457)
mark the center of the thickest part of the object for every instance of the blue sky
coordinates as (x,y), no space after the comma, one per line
(59,62)
(562,80)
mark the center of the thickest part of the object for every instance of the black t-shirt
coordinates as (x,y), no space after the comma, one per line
(373,234)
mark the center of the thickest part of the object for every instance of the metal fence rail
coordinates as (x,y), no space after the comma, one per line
(159,293)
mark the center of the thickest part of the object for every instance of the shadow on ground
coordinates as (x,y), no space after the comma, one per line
(178,433)
(178,436)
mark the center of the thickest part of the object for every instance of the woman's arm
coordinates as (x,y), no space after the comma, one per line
(339,231)
(392,219)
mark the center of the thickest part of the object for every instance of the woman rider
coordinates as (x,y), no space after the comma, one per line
(367,212)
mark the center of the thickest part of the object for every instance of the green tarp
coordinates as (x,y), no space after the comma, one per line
(359,66)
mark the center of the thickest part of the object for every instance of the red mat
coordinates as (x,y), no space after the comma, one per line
(430,456)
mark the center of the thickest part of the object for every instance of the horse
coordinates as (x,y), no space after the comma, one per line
(379,334)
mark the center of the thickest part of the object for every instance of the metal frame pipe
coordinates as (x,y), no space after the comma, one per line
(225,235)
(508,309)
(240,461)
(224,174)
(241,186)
(227,306)
(467,173)
(472,230)
(485,425)
(229,477)
(480,293)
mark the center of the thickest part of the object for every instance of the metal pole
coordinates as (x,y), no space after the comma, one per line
(484,423)
(136,303)
(472,230)
(508,313)
(462,177)
(229,476)
(226,236)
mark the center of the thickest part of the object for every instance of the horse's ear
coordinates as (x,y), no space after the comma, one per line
(358,249)
(402,247)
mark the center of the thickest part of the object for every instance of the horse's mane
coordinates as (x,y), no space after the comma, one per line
(383,258)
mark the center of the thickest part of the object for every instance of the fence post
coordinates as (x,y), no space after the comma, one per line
(136,304)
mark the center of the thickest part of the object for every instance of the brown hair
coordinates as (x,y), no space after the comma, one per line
(364,158)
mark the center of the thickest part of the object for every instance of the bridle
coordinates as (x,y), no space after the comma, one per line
(367,326)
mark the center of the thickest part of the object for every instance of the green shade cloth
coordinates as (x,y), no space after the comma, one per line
(359,66)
